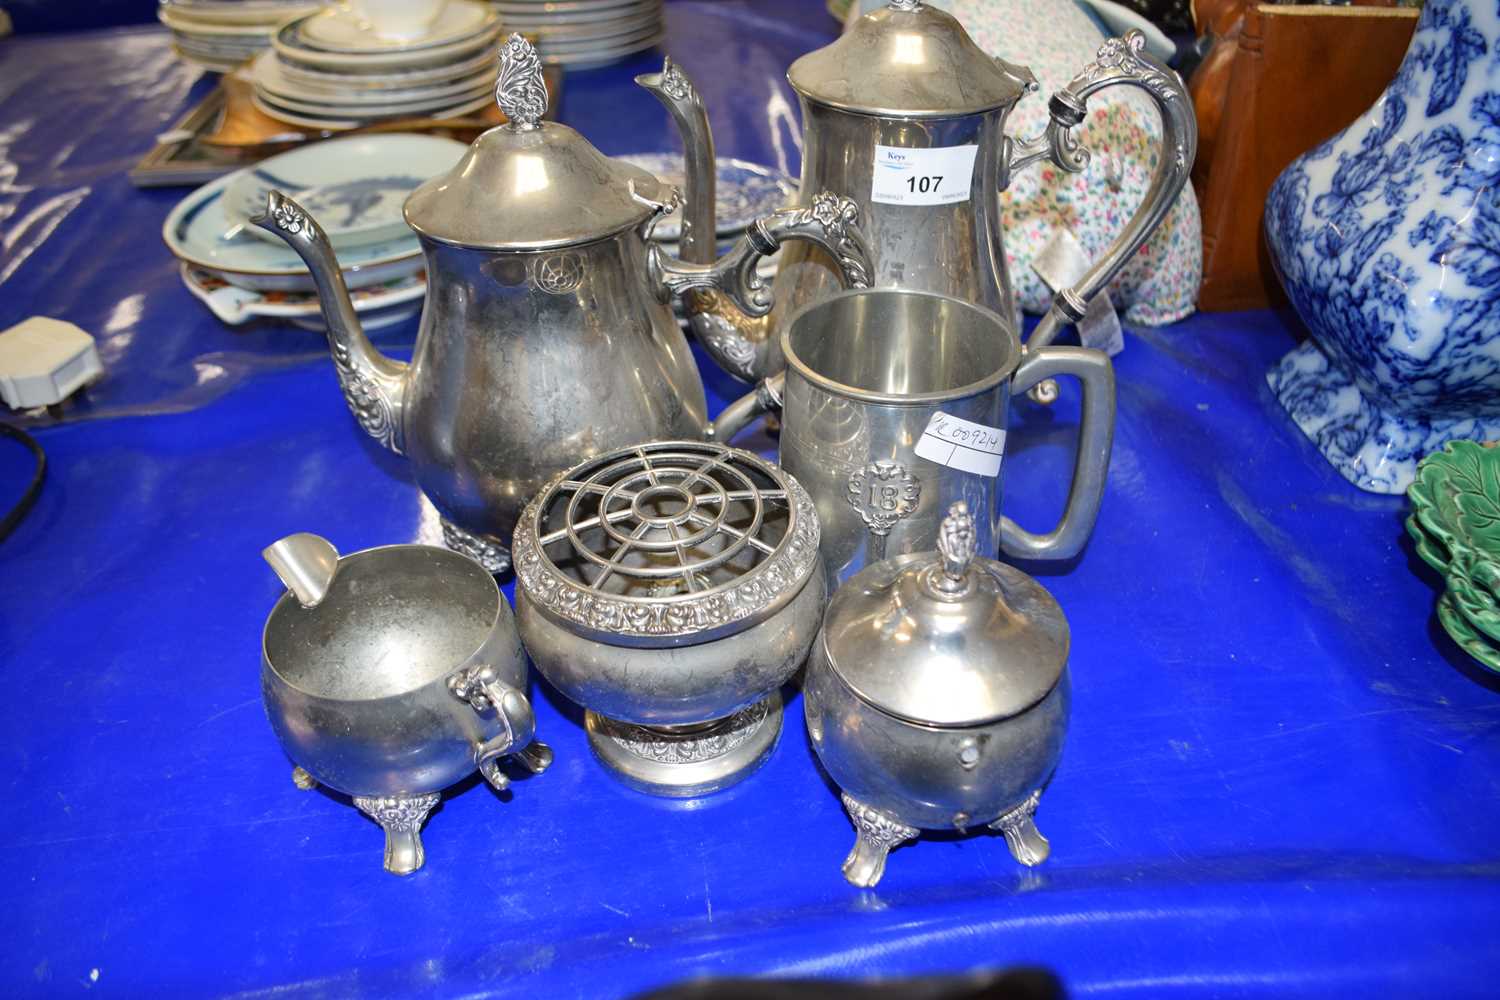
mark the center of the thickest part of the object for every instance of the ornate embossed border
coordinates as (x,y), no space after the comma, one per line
(698,616)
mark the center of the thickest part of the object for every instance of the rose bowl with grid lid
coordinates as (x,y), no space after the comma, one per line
(671,589)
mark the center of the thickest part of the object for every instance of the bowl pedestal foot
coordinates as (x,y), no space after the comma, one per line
(687,761)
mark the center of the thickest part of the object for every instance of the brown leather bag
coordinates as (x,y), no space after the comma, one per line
(1299,75)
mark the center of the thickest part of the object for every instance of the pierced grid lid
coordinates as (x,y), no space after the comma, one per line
(666,544)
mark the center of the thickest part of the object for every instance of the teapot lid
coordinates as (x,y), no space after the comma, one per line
(908,60)
(946,638)
(530,184)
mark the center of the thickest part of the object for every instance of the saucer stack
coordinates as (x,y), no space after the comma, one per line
(221,34)
(584,33)
(360,62)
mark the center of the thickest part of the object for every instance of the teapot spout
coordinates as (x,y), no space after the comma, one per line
(373,384)
(673,88)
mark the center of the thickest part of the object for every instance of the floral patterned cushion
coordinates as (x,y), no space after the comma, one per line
(1123,131)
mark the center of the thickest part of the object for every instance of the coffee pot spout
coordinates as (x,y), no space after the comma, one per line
(373,384)
(673,88)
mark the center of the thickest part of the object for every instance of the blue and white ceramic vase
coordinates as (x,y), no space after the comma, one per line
(1387,239)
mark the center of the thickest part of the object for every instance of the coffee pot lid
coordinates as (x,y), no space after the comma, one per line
(946,638)
(530,184)
(908,60)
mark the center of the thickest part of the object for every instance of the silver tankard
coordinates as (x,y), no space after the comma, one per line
(895,405)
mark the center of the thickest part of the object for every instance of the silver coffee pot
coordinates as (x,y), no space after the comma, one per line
(546,338)
(905,115)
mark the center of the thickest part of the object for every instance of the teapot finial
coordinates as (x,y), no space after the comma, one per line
(906,4)
(520,90)
(956,539)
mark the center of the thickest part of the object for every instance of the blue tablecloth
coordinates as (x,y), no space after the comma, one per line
(1281,775)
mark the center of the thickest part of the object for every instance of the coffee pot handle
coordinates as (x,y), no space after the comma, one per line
(1096,433)
(829,221)
(1123,61)
(483,689)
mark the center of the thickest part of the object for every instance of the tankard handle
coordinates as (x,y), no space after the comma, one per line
(1096,432)
(481,687)
(1122,61)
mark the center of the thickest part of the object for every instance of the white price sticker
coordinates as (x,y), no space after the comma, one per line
(941,175)
(962,444)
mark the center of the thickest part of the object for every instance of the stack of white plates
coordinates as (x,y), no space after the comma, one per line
(355,187)
(221,34)
(337,69)
(585,33)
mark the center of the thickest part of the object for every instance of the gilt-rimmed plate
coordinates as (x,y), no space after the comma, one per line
(340,29)
(378,305)
(289,46)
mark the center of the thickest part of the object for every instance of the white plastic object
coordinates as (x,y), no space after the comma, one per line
(44,361)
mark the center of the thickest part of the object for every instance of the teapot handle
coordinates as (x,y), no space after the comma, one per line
(829,221)
(1096,432)
(1122,60)
(481,687)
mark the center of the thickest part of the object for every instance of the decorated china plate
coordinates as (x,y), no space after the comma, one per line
(378,305)
(198,232)
(354,187)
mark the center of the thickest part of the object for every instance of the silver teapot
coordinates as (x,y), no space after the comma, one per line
(905,115)
(937,698)
(546,338)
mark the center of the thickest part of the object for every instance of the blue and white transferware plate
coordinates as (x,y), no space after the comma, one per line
(354,187)
(198,233)
(1387,239)
(743,193)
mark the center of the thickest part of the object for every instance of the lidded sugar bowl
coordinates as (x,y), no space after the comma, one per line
(937,698)
(671,589)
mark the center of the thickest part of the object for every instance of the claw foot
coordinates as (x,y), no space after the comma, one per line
(875,835)
(481,548)
(401,817)
(303,780)
(1026,843)
(536,758)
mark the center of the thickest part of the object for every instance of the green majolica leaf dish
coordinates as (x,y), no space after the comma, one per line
(1473,583)
(1463,633)
(1455,523)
